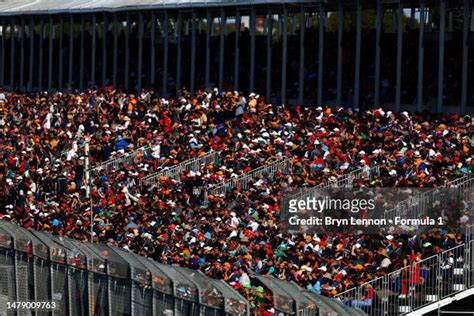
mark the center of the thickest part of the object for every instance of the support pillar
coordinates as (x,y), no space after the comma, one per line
(127,52)
(442,30)
(140,51)
(451,21)
(465,55)
(12,53)
(81,57)
(193,53)
(430,20)
(22,55)
(252,50)
(94,44)
(421,57)
(322,22)
(208,48)
(104,50)
(115,53)
(165,56)
(357,61)
(340,32)
(153,49)
(71,50)
(40,70)
(179,28)
(302,55)
(284,57)
(378,31)
(61,52)
(237,50)
(269,55)
(50,53)
(2,65)
(31,33)
(398,88)
(221,49)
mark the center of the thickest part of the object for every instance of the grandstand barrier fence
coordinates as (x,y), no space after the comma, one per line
(416,285)
(115,163)
(426,281)
(417,206)
(174,172)
(342,181)
(269,171)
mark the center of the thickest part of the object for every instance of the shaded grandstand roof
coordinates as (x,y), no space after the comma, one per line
(17,7)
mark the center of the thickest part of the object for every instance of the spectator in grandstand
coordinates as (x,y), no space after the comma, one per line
(177,220)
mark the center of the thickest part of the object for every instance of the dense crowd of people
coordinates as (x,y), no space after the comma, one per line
(229,236)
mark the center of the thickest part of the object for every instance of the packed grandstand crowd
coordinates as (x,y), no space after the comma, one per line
(228,236)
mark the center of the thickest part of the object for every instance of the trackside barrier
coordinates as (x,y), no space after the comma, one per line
(174,172)
(93,279)
(290,299)
(268,171)
(116,162)
(342,181)
(416,285)
(81,278)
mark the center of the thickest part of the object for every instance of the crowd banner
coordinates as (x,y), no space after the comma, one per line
(175,172)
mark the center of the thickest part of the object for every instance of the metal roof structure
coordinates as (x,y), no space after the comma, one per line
(25,7)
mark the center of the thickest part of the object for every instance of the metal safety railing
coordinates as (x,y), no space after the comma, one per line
(175,172)
(418,205)
(80,150)
(268,171)
(428,280)
(342,181)
(116,162)
(416,285)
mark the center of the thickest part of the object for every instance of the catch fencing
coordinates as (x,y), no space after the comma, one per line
(242,182)
(175,172)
